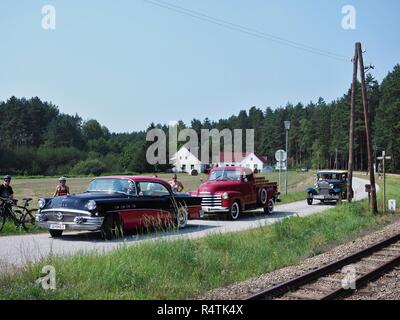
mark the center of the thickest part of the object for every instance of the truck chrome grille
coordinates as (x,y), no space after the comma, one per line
(211,201)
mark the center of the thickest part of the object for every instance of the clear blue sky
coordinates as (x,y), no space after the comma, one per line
(128,63)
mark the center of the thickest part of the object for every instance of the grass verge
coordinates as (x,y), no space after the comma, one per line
(188,268)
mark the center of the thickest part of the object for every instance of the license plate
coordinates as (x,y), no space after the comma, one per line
(319,197)
(58,226)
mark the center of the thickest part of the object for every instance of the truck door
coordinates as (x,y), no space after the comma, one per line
(249,191)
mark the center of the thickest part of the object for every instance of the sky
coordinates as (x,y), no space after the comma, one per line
(128,63)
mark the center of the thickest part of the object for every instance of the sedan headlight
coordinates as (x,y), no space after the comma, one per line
(225,196)
(91,205)
(331,186)
(41,203)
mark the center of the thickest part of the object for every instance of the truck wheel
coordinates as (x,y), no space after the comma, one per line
(56,233)
(310,199)
(112,227)
(234,211)
(269,209)
(262,197)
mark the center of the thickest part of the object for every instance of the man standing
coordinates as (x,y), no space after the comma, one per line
(5,189)
(176,185)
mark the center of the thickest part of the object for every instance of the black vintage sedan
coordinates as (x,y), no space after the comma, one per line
(116,204)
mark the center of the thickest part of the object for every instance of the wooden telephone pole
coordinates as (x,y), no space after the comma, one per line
(367,129)
(358,60)
(350,191)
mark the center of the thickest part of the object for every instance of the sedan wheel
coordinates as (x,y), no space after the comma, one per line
(182,218)
(56,233)
(234,211)
(310,199)
(112,227)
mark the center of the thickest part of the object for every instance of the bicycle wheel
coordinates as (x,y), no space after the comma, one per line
(2,221)
(28,219)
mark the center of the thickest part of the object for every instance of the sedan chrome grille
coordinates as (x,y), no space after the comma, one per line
(211,201)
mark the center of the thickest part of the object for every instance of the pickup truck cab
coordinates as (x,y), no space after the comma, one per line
(232,190)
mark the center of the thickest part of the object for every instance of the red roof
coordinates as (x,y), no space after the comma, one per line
(264,159)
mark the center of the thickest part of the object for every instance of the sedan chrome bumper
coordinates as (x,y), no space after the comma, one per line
(78,223)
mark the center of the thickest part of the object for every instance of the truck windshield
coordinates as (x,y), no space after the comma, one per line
(232,175)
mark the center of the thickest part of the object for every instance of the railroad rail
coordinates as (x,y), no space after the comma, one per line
(327,282)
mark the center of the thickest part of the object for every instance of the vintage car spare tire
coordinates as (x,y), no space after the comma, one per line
(262,196)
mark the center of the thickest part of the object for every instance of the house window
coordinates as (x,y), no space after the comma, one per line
(192,167)
(180,158)
(184,167)
(251,159)
(255,166)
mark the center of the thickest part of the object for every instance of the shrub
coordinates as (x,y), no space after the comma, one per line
(89,167)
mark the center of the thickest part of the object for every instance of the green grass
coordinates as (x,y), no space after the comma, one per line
(187,268)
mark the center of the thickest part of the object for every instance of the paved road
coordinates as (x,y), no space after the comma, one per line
(17,250)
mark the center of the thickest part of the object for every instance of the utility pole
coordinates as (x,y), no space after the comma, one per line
(367,128)
(350,191)
(287,128)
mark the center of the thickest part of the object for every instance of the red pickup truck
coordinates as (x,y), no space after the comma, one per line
(232,190)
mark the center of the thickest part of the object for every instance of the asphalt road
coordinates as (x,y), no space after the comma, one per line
(17,250)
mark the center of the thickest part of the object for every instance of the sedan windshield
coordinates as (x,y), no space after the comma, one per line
(233,175)
(112,185)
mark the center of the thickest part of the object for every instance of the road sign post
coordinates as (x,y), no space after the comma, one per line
(383,158)
(281,157)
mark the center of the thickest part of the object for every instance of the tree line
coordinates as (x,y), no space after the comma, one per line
(37,139)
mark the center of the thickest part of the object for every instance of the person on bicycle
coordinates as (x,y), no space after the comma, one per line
(62,189)
(6,191)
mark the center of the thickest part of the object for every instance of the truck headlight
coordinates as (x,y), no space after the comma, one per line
(225,196)
(91,205)
(41,203)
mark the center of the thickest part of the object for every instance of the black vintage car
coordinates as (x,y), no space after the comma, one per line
(113,205)
(331,186)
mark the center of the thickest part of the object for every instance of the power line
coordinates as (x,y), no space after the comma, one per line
(246,30)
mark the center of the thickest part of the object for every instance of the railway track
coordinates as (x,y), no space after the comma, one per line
(339,279)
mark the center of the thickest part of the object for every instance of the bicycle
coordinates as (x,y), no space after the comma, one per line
(22,216)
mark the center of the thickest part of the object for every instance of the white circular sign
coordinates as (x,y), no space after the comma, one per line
(280,155)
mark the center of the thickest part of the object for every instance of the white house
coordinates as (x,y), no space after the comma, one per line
(229,159)
(254,162)
(185,161)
